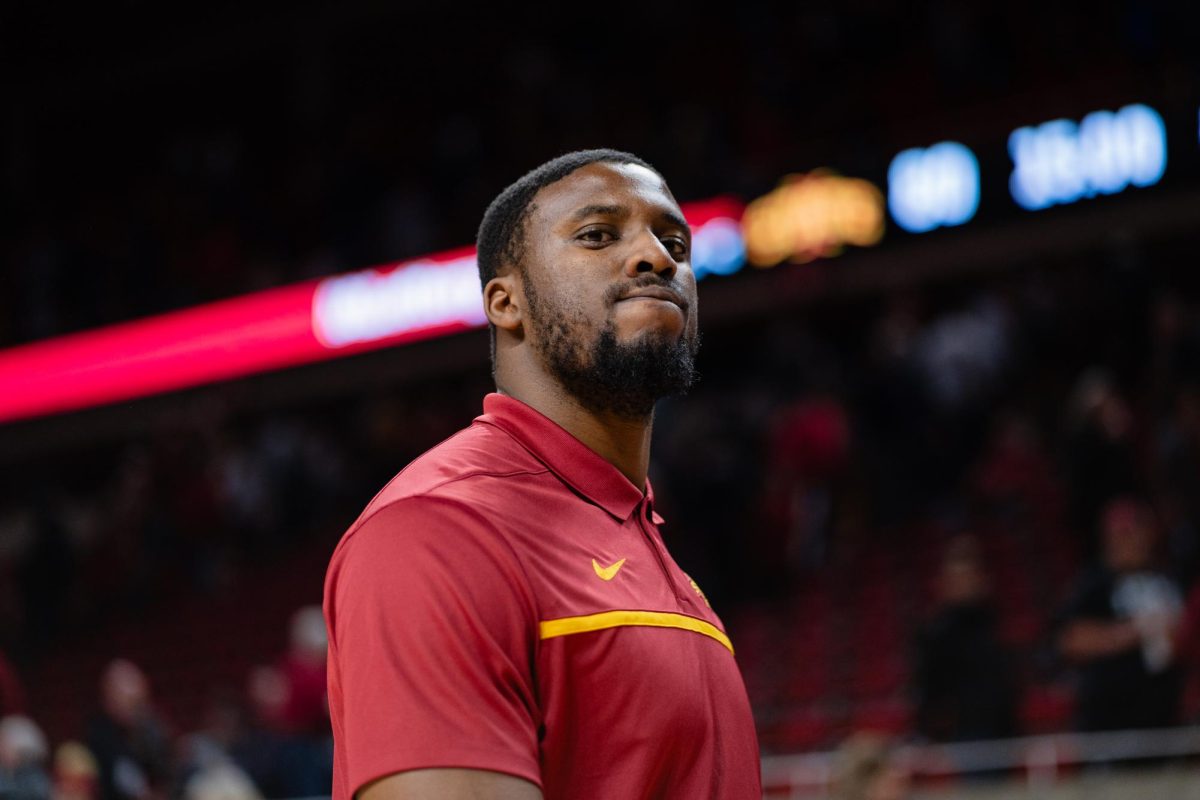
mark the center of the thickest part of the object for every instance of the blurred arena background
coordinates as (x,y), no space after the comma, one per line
(941,476)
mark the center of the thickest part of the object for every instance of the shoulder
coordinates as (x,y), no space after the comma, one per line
(419,532)
(454,489)
(471,459)
(428,554)
(437,523)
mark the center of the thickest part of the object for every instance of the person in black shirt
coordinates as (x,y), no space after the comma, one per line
(130,741)
(964,683)
(1119,626)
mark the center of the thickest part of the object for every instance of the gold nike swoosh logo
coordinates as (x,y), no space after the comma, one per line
(607,573)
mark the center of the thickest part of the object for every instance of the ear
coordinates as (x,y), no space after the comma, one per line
(504,302)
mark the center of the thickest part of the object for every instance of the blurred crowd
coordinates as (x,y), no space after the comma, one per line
(125,526)
(274,742)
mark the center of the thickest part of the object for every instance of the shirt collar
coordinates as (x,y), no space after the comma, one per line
(577,465)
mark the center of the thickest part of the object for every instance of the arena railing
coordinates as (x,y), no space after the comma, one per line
(1039,761)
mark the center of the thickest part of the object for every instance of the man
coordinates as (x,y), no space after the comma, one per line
(868,767)
(504,620)
(1119,628)
(129,739)
(963,676)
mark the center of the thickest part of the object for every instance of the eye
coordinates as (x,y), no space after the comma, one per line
(596,236)
(676,246)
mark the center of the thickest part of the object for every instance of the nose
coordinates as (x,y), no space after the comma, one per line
(649,254)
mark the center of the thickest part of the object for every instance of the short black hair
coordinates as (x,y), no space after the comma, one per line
(501,238)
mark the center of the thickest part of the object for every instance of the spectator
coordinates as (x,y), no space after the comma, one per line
(280,761)
(127,736)
(306,709)
(216,741)
(220,782)
(305,712)
(867,768)
(288,750)
(808,451)
(1014,480)
(1100,454)
(262,747)
(964,681)
(75,773)
(22,755)
(1118,629)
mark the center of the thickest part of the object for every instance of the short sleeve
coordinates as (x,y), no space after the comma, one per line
(432,629)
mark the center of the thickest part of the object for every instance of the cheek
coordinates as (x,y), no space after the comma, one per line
(561,313)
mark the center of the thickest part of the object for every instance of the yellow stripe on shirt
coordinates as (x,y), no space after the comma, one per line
(565,626)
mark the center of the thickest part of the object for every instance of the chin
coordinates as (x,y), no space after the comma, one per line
(653,333)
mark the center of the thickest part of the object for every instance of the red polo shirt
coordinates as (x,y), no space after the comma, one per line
(506,603)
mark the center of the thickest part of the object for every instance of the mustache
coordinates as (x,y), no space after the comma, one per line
(618,291)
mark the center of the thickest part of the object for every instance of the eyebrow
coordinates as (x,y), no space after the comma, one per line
(601,209)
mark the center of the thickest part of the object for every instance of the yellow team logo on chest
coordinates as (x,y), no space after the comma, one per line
(609,572)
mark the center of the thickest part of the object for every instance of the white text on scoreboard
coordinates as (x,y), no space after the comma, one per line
(933,187)
(1059,161)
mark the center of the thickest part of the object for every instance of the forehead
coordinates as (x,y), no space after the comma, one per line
(604,184)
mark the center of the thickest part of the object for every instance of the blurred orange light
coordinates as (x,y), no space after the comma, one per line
(812,216)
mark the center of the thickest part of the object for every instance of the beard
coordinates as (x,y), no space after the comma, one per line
(608,376)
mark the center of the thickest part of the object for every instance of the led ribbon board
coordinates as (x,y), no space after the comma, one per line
(293,325)
(1059,162)
(812,216)
(807,217)
(933,187)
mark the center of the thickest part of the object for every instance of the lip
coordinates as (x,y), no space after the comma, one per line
(657,293)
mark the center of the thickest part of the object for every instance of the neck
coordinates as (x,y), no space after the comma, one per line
(621,441)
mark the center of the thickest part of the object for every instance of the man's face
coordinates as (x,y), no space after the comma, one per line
(1128,538)
(963,582)
(609,288)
